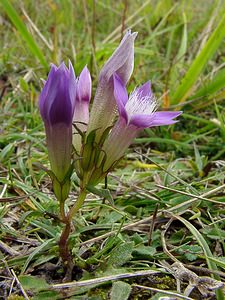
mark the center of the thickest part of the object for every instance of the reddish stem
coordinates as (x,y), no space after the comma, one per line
(65,252)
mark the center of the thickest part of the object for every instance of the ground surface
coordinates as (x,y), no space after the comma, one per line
(158,228)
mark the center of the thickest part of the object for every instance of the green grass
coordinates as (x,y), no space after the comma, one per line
(177,169)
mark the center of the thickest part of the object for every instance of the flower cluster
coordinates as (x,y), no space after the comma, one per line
(93,141)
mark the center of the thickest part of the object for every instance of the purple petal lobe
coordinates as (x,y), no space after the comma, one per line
(154,119)
(141,121)
(58,95)
(72,85)
(164,118)
(145,89)
(120,91)
(84,85)
(121,95)
(45,91)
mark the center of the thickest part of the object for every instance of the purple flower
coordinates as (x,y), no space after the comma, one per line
(81,113)
(57,102)
(104,107)
(135,113)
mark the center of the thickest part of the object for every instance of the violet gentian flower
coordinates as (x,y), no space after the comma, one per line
(104,107)
(135,113)
(57,102)
(81,113)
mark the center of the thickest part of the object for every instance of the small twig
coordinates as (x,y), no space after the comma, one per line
(169,173)
(4,188)
(152,225)
(205,270)
(20,285)
(49,45)
(103,279)
(11,286)
(180,296)
(117,31)
(164,241)
(188,194)
(8,249)
(205,285)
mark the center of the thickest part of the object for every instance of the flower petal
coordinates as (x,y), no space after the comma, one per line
(46,92)
(141,121)
(119,139)
(104,109)
(121,95)
(56,104)
(84,85)
(61,110)
(145,89)
(164,118)
(122,60)
(72,85)
(59,142)
(154,119)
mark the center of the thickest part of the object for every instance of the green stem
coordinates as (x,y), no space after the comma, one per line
(77,205)
(62,211)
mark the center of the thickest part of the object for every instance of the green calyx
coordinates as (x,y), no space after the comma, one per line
(61,189)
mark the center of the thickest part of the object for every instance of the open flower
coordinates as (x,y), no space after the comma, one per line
(81,113)
(57,103)
(104,107)
(135,113)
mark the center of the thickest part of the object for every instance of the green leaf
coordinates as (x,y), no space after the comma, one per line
(27,37)
(219,261)
(209,88)
(183,45)
(33,283)
(120,291)
(46,295)
(47,244)
(198,159)
(104,193)
(191,252)
(192,75)
(7,151)
(144,252)
(24,85)
(121,254)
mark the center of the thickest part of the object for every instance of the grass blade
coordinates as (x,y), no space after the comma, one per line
(192,75)
(27,37)
(212,87)
(183,45)
(208,254)
(46,244)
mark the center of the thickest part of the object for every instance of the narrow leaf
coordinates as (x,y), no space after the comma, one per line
(192,75)
(211,87)
(183,46)
(27,37)
(205,247)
